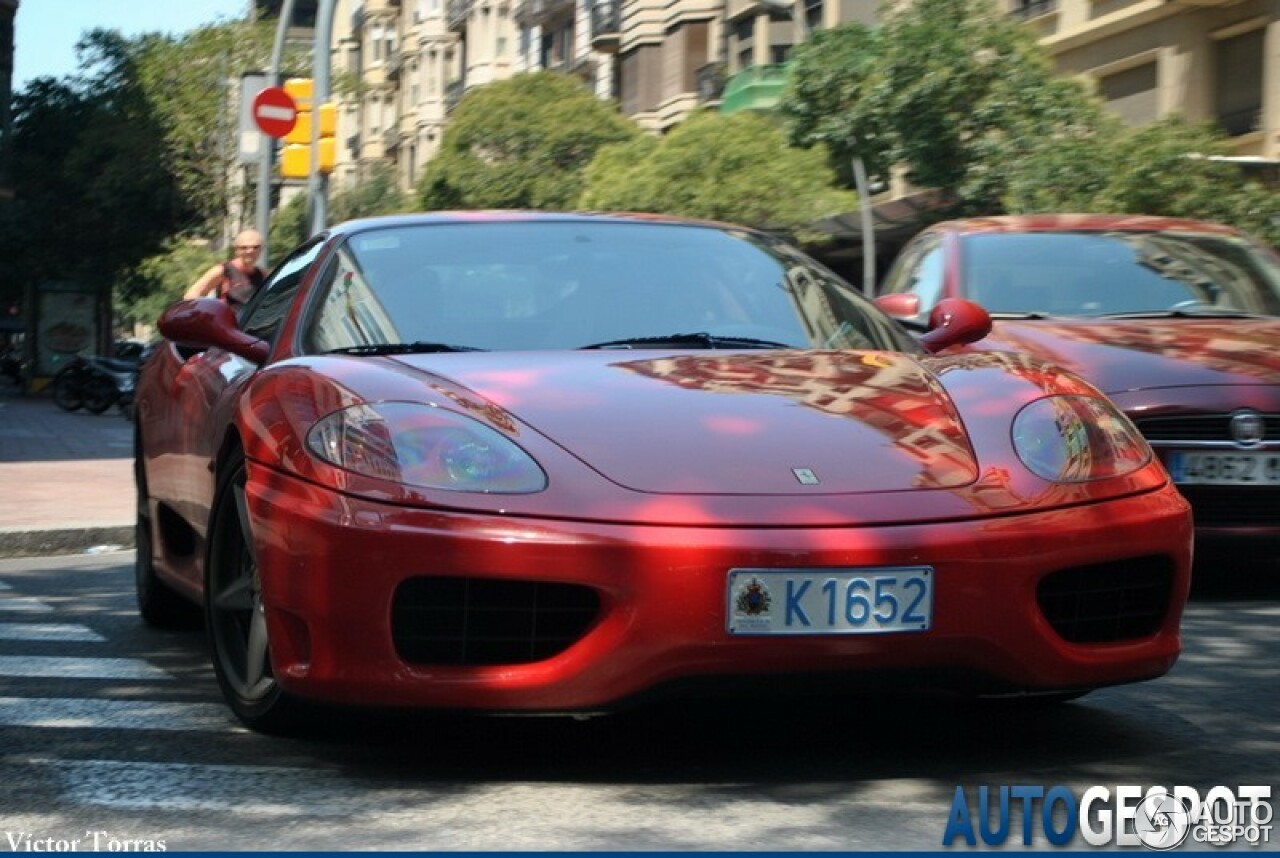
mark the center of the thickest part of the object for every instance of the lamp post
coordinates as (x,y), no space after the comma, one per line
(317,183)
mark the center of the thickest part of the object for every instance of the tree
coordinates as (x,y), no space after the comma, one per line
(521,143)
(185,79)
(93,194)
(735,168)
(1166,168)
(149,287)
(951,90)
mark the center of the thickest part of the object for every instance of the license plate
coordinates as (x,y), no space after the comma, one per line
(830,601)
(1225,469)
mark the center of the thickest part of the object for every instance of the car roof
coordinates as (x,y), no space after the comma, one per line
(1080,223)
(515,215)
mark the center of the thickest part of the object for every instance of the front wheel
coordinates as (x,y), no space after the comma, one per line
(235,616)
(99,393)
(67,392)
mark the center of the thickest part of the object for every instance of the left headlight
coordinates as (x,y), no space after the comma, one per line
(1074,439)
(422,445)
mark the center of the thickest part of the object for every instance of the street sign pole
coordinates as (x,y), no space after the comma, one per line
(265,163)
(319,182)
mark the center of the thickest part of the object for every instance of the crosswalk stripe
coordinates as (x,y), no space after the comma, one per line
(79,668)
(184,786)
(24,604)
(48,632)
(81,713)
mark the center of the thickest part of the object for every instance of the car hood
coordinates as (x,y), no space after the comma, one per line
(728,423)
(1121,355)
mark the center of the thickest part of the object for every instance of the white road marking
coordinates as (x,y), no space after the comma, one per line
(79,668)
(48,632)
(82,713)
(25,604)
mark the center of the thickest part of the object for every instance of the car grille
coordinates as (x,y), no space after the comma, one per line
(1233,506)
(1107,602)
(1200,427)
(479,621)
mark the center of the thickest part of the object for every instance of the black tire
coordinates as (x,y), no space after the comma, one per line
(235,618)
(67,393)
(158,604)
(99,394)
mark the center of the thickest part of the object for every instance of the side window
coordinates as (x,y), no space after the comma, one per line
(919,272)
(263,316)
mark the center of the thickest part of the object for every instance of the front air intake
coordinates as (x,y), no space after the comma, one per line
(488,621)
(1107,602)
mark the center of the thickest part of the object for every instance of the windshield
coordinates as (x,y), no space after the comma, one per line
(569,284)
(1097,274)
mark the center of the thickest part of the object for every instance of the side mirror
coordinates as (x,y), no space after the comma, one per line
(200,323)
(899,305)
(955,322)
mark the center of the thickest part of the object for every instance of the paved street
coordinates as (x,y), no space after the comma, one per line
(66,477)
(108,725)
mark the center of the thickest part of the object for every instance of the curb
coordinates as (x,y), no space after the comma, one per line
(72,540)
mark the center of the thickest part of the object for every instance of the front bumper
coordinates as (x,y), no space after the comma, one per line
(330,565)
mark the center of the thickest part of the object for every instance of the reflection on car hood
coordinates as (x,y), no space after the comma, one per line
(732,423)
(1132,354)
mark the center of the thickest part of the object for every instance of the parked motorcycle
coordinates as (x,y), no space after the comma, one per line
(96,383)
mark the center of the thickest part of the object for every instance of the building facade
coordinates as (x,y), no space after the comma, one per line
(408,62)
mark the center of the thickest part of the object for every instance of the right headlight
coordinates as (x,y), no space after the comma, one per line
(418,444)
(1074,439)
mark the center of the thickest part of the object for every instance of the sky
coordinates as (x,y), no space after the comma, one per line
(46,31)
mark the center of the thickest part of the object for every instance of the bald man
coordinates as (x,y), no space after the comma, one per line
(236,280)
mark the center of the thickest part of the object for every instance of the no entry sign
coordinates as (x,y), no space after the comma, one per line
(275,111)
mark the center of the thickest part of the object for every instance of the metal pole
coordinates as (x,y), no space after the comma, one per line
(318,183)
(264,162)
(868,229)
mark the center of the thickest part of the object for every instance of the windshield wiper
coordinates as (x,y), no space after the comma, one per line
(1206,313)
(414,348)
(699,339)
(1003,314)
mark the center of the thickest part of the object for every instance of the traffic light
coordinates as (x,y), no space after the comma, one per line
(295,157)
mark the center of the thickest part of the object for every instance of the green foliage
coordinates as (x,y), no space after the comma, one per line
(159,280)
(1161,169)
(521,143)
(376,194)
(93,190)
(290,226)
(185,79)
(735,168)
(949,89)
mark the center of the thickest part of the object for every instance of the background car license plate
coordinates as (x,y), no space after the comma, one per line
(1225,469)
(830,601)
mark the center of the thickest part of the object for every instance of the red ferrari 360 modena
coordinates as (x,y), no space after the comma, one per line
(524,462)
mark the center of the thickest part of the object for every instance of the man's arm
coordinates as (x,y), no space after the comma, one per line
(206,285)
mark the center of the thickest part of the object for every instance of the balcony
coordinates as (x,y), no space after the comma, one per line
(755,88)
(531,12)
(453,91)
(456,13)
(606,26)
(709,81)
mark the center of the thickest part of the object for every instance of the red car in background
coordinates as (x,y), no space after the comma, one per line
(1177,321)
(551,463)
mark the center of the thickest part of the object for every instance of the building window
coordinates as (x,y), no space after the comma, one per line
(744,38)
(1132,94)
(1238,82)
(813,14)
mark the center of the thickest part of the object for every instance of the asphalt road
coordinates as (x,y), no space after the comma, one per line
(112,733)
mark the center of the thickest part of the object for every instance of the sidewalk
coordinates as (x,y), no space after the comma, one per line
(66,478)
